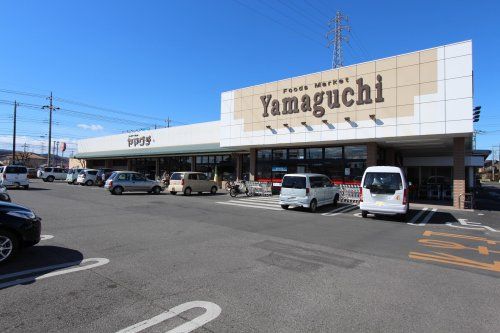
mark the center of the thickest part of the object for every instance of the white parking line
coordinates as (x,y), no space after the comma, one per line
(428,217)
(46,237)
(340,209)
(417,216)
(465,224)
(67,269)
(249,205)
(212,312)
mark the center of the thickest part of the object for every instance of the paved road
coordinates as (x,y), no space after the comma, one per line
(264,269)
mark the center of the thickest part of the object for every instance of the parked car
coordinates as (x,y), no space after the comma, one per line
(384,191)
(20,227)
(72,175)
(50,174)
(128,181)
(308,190)
(4,195)
(99,178)
(87,177)
(14,176)
(188,182)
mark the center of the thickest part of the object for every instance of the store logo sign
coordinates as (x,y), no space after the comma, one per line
(290,105)
(135,140)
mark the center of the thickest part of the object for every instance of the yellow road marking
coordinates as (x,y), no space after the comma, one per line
(445,234)
(455,260)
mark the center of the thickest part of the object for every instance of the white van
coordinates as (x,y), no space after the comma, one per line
(384,191)
(308,190)
(14,176)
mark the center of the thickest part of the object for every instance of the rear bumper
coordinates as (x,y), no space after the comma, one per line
(384,210)
(31,233)
(300,201)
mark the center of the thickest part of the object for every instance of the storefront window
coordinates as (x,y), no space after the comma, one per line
(264,154)
(333,153)
(355,152)
(296,154)
(279,154)
(314,153)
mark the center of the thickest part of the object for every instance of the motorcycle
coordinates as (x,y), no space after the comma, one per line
(240,189)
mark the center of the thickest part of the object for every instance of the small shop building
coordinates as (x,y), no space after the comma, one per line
(412,110)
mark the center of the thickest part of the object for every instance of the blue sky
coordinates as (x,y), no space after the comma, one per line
(160,59)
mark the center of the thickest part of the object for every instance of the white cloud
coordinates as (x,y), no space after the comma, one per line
(92,127)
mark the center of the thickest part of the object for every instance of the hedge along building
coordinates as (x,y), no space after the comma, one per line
(412,110)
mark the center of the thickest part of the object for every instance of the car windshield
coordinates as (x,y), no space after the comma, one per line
(383,182)
(294,182)
(176,176)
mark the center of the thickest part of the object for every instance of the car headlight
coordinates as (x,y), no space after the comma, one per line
(24,214)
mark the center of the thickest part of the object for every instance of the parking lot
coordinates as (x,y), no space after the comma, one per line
(158,263)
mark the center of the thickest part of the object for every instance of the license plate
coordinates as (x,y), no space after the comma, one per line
(379,203)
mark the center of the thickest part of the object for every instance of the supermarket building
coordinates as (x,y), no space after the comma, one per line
(412,110)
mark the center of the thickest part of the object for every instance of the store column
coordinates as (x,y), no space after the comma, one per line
(129,164)
(193,163)
(238,165)
(458,172)
(371,154)
(253,163)
(390,157)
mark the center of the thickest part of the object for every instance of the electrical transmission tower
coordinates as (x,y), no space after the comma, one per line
(335,37)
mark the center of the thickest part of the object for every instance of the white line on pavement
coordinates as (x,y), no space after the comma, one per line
(417,216)
(350,209)
(338,210)
(212,312)
(67,269)
(46,237)
(261,206)
(428,217)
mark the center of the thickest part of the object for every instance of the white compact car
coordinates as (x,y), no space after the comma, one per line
(87,177)
(308,190)
(14,176)
(384,191)
(72,176)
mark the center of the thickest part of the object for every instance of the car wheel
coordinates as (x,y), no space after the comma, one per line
(50,179)
(156,190)
(313,206)
(26,187)
(364,214)
(9,246)
(213,190)
(335,200)
(402,217)
(187,191)
(118,190)
(285,206)
(44,180)
(233,192)
(17,185)
(173,192)
(89,183)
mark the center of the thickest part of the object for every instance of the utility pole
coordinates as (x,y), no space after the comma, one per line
(168,120)
(51,108)
(337,27)
(14,134)
(56,155)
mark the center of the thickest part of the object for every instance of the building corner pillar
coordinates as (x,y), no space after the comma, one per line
(371,154)
(253,164)
(458,172)
(193,163)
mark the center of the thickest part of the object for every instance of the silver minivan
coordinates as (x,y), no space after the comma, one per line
(384,191)
(128,181)
(308,190)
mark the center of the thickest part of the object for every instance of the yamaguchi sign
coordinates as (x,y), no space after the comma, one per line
(135,140)
(290,105)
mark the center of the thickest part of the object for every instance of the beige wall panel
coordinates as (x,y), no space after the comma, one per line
(297,119)
(364,115)
(429,71)
(408,75)
(259,126)
(259,90)
(406,95)
(347,71)
(298,81)
(386,113)
(313,78)
(245,92)
(332,74)
(271,87)
(428,88)
(389,78)
(237,104)
(408,59)
(284,84)
(365,68)
(406,110)
(385,64)
(246,103)
(428,55)
(390,98)
(237,93)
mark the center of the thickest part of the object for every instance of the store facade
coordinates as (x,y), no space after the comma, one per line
(412,110)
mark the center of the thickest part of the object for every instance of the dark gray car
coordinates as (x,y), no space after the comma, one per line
(128,181)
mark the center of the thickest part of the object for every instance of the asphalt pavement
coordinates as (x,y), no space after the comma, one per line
(158,263)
